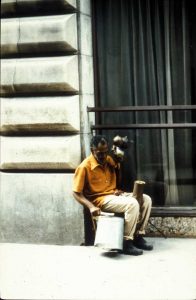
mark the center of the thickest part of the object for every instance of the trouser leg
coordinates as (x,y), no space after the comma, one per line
(145,211)
(127,205)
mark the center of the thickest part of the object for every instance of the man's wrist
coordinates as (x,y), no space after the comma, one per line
(91,208)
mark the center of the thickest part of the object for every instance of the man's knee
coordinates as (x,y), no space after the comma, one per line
(147,201)
(133,206)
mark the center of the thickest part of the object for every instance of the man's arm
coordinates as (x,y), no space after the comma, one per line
(95,211)
(118,177)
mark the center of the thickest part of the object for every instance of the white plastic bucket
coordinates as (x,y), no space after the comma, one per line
(109,233)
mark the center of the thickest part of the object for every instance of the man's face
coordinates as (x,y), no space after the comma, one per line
(100,153)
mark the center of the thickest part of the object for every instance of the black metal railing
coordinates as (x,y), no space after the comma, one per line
(157,108)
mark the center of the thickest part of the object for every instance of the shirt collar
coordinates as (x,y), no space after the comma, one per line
(94,162)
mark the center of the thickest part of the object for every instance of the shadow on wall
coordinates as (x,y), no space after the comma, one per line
(89,233)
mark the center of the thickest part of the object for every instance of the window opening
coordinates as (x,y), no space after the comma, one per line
(145,57)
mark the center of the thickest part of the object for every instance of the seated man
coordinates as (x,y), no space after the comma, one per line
(95,187)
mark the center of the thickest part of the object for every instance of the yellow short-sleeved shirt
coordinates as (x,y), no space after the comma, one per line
(94,180)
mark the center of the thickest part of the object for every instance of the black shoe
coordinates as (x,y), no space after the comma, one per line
(130,249)
(141,243)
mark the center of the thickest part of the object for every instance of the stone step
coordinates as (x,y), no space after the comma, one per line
(39,34)
(40,209)
(40,115)
(31,7)
(39,75)
(28,153)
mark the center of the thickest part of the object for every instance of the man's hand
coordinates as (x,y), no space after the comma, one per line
(95,211)
(118,192)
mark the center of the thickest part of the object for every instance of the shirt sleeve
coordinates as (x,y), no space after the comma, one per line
(79,179)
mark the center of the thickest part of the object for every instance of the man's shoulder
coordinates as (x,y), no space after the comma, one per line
(85,163)
(111,161)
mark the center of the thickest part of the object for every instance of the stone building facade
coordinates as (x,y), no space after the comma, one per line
(46,86)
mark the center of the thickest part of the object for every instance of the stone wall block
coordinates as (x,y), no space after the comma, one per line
(40,209)
(86,71)
(43,114)
(9,35)
(39,75)
(85,6)
(39,34)
(172,226)
(85,35)
(87,119)
(33,7)
(27,153)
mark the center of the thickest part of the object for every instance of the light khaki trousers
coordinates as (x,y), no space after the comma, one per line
(136,217)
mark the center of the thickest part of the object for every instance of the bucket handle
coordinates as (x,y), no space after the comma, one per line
(95,218)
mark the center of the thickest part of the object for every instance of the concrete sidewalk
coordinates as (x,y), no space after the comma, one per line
(78,272)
